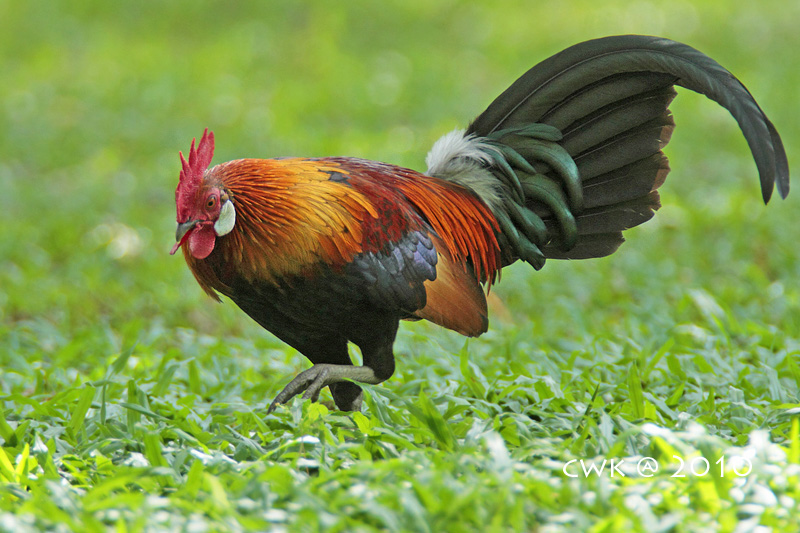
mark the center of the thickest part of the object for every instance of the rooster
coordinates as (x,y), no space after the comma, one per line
(322,252)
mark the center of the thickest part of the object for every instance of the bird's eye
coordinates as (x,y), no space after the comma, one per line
(212,201)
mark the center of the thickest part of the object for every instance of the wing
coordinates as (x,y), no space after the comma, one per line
(430,248)
(394,278)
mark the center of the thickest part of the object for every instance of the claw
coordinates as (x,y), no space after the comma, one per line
(310,382)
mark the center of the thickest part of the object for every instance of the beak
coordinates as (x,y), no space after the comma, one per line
(181,234)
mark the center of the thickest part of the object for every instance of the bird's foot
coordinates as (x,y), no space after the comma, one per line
(310,382)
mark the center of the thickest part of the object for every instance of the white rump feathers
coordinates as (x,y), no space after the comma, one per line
(464,160)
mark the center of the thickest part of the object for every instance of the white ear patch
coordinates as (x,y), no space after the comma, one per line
(226,220)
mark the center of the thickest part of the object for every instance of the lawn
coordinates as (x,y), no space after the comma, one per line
(132,402)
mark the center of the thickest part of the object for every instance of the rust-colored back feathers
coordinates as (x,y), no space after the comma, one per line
(465,226)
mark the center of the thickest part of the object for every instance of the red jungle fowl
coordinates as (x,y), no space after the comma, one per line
(325,251)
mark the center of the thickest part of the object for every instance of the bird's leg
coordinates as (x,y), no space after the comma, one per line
(347,395)
(310,382)
(329,350)
(376,348)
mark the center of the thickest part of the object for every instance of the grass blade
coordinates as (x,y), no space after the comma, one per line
(81,408)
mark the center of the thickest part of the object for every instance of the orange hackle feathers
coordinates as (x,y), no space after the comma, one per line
(290,217)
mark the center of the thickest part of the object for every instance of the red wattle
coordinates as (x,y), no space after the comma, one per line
(201,241)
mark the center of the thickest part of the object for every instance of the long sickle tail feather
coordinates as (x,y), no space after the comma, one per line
(574,145)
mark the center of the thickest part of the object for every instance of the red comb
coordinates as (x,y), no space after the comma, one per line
(192,173)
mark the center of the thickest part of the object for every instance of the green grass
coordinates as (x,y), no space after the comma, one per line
(132,402)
